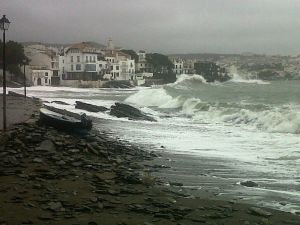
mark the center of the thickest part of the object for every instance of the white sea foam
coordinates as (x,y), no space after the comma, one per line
(209,121)
(184,80)
(284,119)
(236,78)
(149,97)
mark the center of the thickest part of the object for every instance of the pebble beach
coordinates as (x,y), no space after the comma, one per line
(52,177)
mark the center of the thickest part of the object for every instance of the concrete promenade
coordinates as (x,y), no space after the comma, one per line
(18,110)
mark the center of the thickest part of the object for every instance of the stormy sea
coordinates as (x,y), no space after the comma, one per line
(213,136)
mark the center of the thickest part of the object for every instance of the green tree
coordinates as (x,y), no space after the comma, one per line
(132,54)
(162,67)
(14,56)
(211,71)
(160,62)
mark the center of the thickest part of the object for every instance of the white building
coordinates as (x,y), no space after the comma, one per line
(80,62)
(142,65)
(42,61)
(120,65)
(41,77)
(178,66)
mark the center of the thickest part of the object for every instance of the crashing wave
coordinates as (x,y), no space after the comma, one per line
(236,78)
(186,80)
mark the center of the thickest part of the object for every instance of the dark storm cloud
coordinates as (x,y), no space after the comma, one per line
(169,26)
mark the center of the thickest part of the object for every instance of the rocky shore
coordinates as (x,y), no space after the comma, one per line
(51,177)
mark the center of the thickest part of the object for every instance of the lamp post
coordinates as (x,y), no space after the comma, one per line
(4,24)
(24,62)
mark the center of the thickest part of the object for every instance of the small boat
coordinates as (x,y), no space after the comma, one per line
(64,122)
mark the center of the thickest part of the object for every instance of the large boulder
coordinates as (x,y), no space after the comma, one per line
(90,107)
(117,84)
(124,110)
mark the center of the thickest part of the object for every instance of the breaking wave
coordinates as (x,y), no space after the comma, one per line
(268,118)
(279,120)
(187,80)
(236,78)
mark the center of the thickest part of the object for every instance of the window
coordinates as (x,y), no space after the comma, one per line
(71,58)
(86,58)
(46,74)
(94,58)
(90,58)
(63,61)
(90,67)
(117,68)
(112,67)
(78,66)
(100,65)
(72,67)
(117,74)
(141,65)
(46,80)
(78,58)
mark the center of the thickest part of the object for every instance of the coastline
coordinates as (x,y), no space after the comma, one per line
(52,177)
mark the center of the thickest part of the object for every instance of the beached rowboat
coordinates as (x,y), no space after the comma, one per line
(64,122)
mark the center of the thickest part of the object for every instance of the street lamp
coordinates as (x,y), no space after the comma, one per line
(24,63)
(4,24)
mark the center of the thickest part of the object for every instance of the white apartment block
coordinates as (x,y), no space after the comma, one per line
(178,66)
(142,66)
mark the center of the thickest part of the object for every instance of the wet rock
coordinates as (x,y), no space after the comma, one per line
(60,102)
(76,164)
(45,216)
(46,146)
(92,149)
(92,223)
(100,205)
(124,110)
(148,223)
(55,206)
(61,163)
(164,215)
(37,160)
(105,176)
(27,222)
(259,212)
(94,199)
(113,192)
(90,107)
(249,183)
(176,184)
(74,150)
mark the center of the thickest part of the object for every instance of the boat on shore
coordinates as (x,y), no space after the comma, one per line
(65,122)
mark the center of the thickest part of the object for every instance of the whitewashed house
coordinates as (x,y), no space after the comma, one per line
(41,77)
(142,66)
(43,65)
(81,64)
(119,64)
(178,66)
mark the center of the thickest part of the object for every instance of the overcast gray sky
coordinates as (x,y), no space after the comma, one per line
(167,26)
